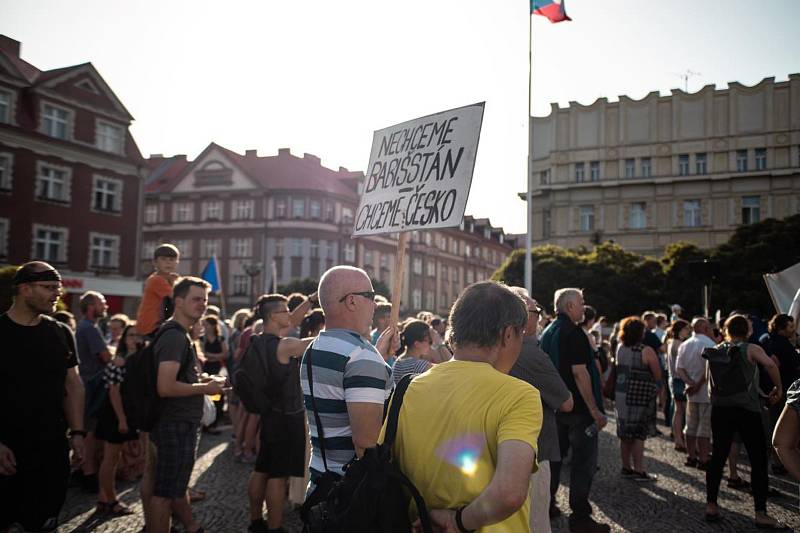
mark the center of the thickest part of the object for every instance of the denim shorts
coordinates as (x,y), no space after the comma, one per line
(678,389)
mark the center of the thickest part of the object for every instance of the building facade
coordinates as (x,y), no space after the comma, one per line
(285,218)
(70,178)
(685,167)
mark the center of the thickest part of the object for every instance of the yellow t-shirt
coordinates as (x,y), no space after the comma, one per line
(452,419)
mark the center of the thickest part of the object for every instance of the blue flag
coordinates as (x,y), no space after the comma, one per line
(211,274)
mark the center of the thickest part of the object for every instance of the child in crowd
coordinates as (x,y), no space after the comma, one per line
(156,303)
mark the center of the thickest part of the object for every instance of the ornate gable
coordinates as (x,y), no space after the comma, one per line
(214,170)
(84,85)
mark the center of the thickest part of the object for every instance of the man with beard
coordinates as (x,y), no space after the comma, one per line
(41,396)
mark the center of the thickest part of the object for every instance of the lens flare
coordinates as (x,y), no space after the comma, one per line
(464,452)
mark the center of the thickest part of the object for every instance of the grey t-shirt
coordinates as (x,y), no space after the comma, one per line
(172,347)
(535,367)
(90,345)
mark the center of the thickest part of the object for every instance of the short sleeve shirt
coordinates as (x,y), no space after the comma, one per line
(113,374)
(171,346)
(691,361)
(90,345)
(452,420)
(156,288)
(345,368)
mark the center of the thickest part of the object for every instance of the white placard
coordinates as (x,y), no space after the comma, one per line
(420,172)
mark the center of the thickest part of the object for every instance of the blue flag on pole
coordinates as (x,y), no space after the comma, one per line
(211,274)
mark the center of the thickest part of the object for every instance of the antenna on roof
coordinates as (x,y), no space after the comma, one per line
(685,77)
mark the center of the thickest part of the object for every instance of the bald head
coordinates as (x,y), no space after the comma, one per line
(345,294)
(701,326)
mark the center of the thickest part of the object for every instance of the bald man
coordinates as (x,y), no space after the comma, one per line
(40,398)
(691,368)
(350,379)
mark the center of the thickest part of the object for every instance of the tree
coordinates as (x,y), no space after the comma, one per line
(678,284)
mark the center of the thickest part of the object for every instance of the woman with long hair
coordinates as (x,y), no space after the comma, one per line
(638,378)
(415,348)
(215,352)
(312,324)
(739,412)
(112,425)
(678,332)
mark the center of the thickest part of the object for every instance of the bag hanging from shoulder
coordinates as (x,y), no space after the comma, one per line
(371,496)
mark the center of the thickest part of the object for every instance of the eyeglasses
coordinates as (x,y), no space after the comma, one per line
(366,294)
(537,311)
(49,287)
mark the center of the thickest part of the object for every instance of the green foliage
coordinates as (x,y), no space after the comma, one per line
(620,283)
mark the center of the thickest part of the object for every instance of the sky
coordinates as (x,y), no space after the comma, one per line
(319,76)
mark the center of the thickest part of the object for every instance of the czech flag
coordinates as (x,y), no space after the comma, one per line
(552,9)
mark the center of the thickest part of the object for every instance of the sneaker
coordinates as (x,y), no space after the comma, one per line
(644,476)
(738,483)
(627,473)
(587,525)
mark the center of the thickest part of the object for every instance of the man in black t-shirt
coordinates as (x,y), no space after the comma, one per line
(40,397)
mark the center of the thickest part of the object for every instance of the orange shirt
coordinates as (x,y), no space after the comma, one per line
(156,288)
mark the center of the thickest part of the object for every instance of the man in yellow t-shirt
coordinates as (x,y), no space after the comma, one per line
(467,432)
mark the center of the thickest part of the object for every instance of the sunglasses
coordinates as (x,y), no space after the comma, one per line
(366,294)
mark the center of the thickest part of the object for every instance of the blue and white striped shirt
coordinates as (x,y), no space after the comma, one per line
(345,368)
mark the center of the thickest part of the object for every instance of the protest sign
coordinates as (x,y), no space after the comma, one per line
(420,172)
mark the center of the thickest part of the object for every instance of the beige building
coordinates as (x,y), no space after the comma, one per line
(685,167)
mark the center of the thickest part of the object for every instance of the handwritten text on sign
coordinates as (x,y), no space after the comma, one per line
(420,172)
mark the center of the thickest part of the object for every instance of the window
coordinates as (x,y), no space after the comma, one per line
(6,163)
(329,209)
(416,265)
(416,299)
(487,233)
(751,209)
(280,208)
(431,268)
(761,159)
(314,249)
(5,106)
(454,246)
(3,237)
(50,243)
(579,173)
(316,209)
(297,248)
(594,171)
(683,165)
(547,222)
(426,237)
(242,247)
(110,137)
(298,208)
(279,248)
(385,261)
(700,165)
(741,160)
(647,167)
(470,277)
(347,215)
(182,212)
(638,215)
(454,275)
(544,177)
(104,250)
(586,217)
(630,168)
(242,209)
(148,248)
(151,214)
(184,246)
(211,210)
(210,247)
(55,121)
(429,303)
(691,213)
(107,194)
(241,285)
(52,184)
(467,250)
(350,253)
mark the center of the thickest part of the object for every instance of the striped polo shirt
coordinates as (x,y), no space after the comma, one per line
(345,368)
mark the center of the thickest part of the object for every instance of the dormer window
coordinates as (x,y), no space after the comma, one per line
(109,137)
(55,121)
(213,174)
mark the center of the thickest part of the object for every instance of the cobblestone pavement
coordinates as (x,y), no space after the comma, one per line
(674,503)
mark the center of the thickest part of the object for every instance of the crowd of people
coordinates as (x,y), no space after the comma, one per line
(502,396)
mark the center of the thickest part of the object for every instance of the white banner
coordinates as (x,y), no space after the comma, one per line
(784,287)
(420,172)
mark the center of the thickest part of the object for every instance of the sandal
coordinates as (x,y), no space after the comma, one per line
(114,508)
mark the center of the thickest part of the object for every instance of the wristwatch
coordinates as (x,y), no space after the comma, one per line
(460,524)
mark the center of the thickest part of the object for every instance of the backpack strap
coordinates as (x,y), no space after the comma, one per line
(396,402)
(185,358)
(419,501)
(317,421)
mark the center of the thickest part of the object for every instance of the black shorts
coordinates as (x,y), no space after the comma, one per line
(176,449)
(108,427)
(34,495)
(283,446)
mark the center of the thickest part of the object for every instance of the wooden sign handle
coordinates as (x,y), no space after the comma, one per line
(397,286)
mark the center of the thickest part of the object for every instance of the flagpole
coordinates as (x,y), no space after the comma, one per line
(529,214)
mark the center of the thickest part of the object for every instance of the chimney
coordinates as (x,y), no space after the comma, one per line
(312,158)
(251,154)
(284,152)
(180,157)
(7,44)
(156,156)
(344,170)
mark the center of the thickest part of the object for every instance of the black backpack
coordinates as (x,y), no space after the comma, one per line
(373,494)
(140,399)
(731,381)
(251,379)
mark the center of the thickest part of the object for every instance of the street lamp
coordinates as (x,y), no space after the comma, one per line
(253,270)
